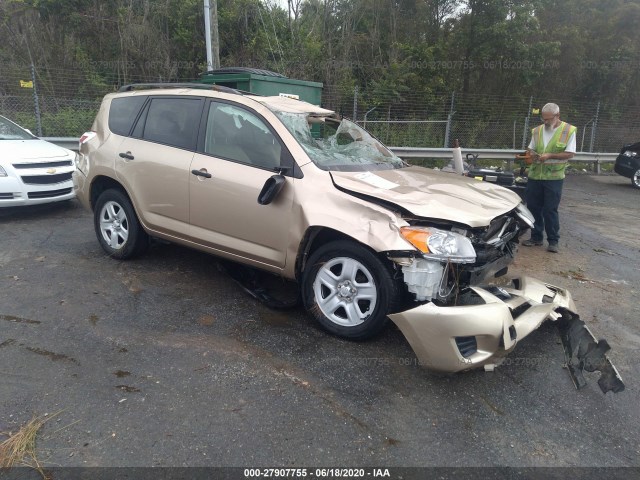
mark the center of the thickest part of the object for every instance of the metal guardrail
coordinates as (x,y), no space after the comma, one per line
(488,153)
(66,142)
(419,152)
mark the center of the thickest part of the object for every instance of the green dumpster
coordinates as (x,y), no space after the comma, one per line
(264,82)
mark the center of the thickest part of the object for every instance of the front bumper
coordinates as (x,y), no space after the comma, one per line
(457,338)
(14,193)
(625,167)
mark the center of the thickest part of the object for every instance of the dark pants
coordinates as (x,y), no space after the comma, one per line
(543,199)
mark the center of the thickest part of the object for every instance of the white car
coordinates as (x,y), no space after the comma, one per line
(32,171)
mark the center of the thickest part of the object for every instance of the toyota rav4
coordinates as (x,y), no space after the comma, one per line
(291,188)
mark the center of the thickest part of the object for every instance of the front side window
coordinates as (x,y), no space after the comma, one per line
(173,121)
(234,133)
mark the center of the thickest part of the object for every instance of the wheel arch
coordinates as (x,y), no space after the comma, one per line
(102,183)
(317,236)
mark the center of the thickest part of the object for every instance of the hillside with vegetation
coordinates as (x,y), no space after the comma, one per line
(481,56)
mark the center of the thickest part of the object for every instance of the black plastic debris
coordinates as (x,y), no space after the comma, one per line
(262,286)
(584,353)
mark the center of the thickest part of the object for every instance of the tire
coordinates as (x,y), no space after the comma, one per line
(117,226)
(635,179)
(349,290)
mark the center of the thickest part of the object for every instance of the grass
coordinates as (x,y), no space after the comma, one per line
(20,448)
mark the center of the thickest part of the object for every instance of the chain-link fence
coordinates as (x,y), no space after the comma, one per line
(480,121)
(54,102)
(53,117)
(61,103)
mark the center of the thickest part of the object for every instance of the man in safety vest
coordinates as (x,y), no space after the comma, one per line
(552,145)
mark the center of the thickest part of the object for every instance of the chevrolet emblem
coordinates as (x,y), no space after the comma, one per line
(51,170)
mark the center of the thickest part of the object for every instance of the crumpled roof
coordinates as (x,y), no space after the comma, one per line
(290,105)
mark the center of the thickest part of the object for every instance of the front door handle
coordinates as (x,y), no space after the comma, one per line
(127,156)
(201,173)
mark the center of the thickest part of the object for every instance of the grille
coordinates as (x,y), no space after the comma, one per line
(50,193)
(46,179)
(467,346)
(6,196)
(63,163)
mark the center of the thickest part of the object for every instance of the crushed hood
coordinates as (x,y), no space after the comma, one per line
(432,194)
(34,149)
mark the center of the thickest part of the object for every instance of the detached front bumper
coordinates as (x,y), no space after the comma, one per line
(456,338)
(488,324)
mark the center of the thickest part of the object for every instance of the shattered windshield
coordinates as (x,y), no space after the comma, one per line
(339,145)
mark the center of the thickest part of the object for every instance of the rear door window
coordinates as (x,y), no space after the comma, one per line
(173,121)
(123,112)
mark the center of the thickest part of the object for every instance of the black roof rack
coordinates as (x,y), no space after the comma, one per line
(202,86)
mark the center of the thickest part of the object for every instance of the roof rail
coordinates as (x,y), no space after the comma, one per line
(202,86)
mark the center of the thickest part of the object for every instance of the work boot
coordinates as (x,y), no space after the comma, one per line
(532,243)
(553,247)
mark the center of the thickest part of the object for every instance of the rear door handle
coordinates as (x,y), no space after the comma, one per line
(127,155)
(201,173)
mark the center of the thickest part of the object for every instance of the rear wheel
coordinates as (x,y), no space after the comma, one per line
(349,290)
(117,227)
(635,179)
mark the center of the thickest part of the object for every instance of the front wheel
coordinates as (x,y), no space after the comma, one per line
(635,179)
(349,290)
(117,227)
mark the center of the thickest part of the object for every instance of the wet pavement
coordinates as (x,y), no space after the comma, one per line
(165,361)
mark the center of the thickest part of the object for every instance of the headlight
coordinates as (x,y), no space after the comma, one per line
(440,244)
(525,215)
(3,173)
(629,153)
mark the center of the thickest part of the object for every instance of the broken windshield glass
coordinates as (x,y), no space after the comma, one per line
(338,145)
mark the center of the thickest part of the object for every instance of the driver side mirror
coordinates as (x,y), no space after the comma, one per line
(271,189)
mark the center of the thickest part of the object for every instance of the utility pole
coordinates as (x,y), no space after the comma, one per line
(212,38)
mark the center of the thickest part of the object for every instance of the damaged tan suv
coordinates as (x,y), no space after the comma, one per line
(289,187)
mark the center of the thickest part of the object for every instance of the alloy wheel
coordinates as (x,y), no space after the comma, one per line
(114,225)
(345,291)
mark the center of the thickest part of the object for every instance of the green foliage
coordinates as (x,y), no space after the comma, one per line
(66,122)
(392,51)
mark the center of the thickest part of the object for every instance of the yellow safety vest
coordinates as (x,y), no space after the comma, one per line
(551,169)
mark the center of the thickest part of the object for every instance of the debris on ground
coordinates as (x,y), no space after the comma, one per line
(20,448)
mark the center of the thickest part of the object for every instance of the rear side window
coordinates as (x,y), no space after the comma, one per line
(123,113)
(173,121)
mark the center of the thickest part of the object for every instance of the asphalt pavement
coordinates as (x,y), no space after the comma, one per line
(165,361)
